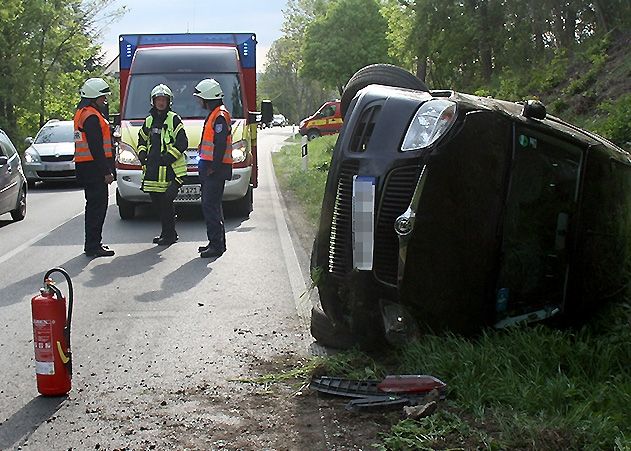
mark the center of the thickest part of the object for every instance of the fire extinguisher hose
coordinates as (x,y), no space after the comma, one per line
(51,286)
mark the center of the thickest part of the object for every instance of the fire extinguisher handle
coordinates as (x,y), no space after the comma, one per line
(58,293)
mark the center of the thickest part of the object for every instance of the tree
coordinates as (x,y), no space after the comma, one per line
(292,94)
(47,49)
(351,35)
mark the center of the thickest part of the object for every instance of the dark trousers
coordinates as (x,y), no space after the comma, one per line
(163,202)
(96,200)
(212,194)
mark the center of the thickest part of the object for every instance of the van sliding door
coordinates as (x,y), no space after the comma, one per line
(541,202)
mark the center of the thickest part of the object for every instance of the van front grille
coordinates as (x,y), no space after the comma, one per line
(340,244)
(396,198)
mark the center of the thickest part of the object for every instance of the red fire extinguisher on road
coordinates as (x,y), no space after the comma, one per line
(51,337)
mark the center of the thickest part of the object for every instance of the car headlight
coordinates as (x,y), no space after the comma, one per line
(239,152)
(31,156)
(431,121)
(127,155)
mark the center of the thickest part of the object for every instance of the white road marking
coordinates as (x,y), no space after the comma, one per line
(34,240)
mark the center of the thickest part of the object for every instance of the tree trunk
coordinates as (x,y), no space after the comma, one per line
(421,67)
(603,24)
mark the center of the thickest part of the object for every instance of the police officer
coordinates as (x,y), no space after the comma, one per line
(94,162)
(215,164)
(161,145)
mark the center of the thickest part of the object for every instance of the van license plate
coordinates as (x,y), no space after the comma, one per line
(189,193)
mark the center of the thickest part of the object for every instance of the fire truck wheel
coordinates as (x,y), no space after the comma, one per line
(381,74)
(126,209)
(243,207)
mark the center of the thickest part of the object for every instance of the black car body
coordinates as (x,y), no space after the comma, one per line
(491,216)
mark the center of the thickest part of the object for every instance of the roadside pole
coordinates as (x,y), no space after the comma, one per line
(305,154)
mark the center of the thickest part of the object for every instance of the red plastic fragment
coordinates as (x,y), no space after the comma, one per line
(411,383)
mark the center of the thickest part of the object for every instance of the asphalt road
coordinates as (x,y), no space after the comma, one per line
(157,332)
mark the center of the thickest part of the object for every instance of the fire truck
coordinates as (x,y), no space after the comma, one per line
(180,61)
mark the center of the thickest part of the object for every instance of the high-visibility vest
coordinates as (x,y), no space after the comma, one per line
(167,146)
(207,145)
(81,148)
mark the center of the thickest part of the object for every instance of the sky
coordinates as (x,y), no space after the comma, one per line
(261,17)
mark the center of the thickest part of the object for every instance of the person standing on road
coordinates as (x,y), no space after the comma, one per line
(94,162)
(215,164)
(161,144)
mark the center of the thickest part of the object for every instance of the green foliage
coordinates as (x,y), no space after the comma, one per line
(617,124)
(308,186)
(576,383)
(350,36)
(47,49)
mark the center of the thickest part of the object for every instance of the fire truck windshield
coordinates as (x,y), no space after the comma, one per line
(137,103)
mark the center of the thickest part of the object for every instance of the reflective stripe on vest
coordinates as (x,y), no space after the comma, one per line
(207,146)
(81,149)
(179,165)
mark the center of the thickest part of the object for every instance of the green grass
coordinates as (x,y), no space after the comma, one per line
(535,388)
(307,186)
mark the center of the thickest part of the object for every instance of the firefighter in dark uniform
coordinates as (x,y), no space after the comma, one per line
(94,162)
(215,164)
(161,145)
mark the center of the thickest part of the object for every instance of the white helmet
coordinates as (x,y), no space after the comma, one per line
(162,91)
(94,88)
(208,89)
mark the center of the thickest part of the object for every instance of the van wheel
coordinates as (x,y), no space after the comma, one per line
(20,208)
(328,334)
(244,206)
(126,209)
(380,74)
(313,134)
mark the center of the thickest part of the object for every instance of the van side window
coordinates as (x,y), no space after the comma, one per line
(328,111)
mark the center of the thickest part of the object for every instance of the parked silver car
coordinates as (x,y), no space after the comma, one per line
(50,155)
(12,180)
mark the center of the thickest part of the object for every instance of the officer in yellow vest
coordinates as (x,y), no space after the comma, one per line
(94,161)
(161,145)
(215,164)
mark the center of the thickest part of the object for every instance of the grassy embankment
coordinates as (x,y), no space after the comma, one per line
(524,388)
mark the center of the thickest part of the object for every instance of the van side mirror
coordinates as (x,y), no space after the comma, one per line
(267,111)
(115,119)
(28,141)
(3,160)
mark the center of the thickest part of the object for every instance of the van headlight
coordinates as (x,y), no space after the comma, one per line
(431,121)
(239,152)
(127,155)
(31,156)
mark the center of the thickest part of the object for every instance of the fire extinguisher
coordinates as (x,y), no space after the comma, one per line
(51,337)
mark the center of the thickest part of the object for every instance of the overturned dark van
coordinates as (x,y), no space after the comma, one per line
(448,211)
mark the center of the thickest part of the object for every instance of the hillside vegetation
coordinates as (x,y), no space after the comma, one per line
(572,55)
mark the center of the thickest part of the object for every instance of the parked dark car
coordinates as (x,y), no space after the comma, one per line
(448,211)
(12,181)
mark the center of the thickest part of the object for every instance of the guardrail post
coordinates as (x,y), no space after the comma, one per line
(305,154)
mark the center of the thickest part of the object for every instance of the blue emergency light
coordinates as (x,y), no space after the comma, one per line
(245,43)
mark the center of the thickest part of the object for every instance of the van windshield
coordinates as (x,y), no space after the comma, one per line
(137,103)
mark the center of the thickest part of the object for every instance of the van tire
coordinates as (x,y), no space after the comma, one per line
(126,209)
(328,334)
(380,74)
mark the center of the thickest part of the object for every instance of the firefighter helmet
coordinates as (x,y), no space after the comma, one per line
(208,89)
(94,88)
(162,90)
